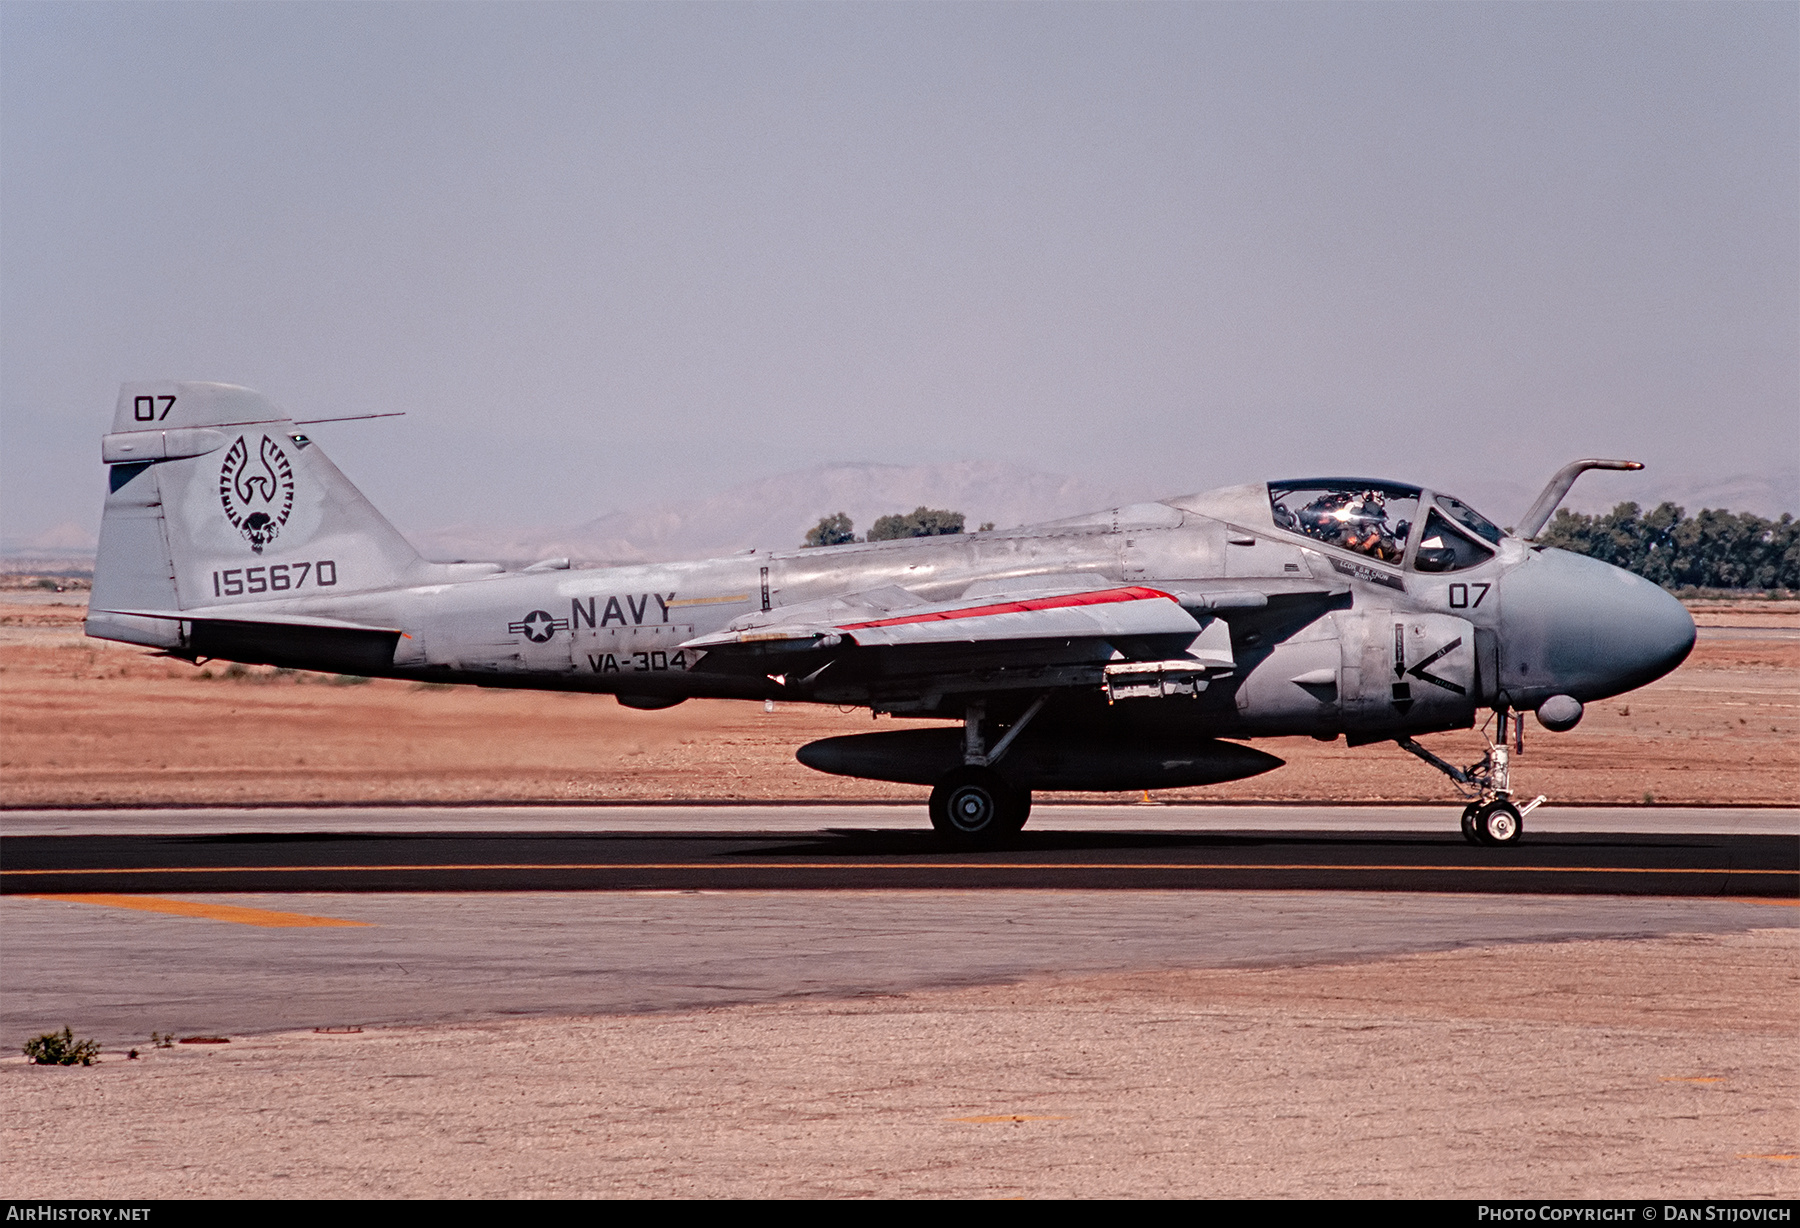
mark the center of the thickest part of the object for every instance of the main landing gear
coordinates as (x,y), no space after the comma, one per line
(978,806)
(975,805)
(1492,818)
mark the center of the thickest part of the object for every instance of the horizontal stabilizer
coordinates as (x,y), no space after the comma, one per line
(227,614)
(291,641)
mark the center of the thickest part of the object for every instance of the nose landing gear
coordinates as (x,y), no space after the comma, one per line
(1492,818)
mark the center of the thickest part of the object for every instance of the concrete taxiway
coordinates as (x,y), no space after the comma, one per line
(119,967)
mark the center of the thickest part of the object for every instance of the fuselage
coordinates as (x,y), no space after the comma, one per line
(1120,650)
(1331,631)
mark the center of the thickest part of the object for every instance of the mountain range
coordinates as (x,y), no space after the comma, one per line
(775,512)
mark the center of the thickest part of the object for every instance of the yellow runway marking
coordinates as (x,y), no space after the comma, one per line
(212,912)
(890,865)
(1781,1155)
(988,1121)
(1691,1079)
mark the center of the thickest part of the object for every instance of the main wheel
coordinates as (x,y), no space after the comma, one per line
(975,805)
(1468,822)
(1499,823)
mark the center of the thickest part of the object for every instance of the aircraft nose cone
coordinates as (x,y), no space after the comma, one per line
(1575,626)
(1653,632)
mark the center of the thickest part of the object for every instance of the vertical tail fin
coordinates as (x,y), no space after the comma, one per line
(216,498)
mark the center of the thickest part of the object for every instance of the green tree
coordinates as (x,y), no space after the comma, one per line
(920,522)
(1716,549)
(835,530)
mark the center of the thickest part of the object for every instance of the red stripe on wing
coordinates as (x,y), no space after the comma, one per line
(1101,597)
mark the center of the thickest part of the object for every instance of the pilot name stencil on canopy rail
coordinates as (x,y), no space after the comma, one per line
(1140,647)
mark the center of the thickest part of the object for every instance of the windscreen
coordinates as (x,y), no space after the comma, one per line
(1442,548)
(1470,519)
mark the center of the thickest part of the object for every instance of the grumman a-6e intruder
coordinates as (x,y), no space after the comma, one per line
(1134,648)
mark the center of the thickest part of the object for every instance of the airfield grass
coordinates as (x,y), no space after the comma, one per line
(84,722)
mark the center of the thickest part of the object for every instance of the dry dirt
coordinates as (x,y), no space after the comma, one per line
(1660,1068)
(85,722)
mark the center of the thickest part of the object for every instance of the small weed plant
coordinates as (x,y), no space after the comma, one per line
(62,1049)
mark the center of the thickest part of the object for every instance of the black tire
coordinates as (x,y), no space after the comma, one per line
(1499,824)
(1468,823)
(978,806)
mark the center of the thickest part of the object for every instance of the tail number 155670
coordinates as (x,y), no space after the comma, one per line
(274,578)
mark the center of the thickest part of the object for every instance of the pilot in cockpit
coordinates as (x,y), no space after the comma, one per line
(1356,520)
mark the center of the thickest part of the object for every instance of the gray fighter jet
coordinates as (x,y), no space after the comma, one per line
(1135,648)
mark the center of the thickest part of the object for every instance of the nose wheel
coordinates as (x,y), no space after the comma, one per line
(1492,818)
(1497,823)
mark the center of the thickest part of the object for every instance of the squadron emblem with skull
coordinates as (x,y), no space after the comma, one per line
(259,496)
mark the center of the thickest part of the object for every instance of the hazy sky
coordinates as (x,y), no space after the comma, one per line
(608,254)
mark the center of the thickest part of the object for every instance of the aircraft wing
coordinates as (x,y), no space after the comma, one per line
(1091,613)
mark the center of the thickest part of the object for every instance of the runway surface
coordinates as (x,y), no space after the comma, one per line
(669,818)
(1612,863)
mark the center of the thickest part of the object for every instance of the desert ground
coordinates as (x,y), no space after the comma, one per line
(85,722)
(1655,1068)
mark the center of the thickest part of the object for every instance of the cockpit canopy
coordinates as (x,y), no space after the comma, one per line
(1379,520)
